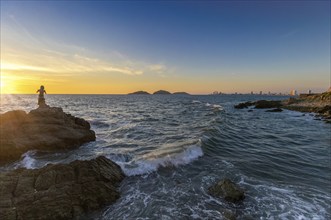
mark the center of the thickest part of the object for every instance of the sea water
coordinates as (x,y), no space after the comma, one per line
(173,147)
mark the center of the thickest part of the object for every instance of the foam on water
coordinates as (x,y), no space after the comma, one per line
(28,161)
(140,167)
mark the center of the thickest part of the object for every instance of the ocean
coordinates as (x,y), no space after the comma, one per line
(173,147)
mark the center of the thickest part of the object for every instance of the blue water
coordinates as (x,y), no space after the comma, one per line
(174,147)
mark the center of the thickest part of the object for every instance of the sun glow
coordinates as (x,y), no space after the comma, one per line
(6,84)
(2,85)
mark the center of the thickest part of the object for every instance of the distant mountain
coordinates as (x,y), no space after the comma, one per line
(181,93)
(161,92)
(139,93)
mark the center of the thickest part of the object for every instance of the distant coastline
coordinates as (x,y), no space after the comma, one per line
(306,103)
(159,92)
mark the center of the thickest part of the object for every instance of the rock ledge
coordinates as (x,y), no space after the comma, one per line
(61,191)
(45,128)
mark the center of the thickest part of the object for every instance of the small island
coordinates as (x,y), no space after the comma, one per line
(181,93)
(139,93)
(162,92)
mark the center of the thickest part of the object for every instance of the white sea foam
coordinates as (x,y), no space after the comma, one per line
(28,161)
(196,102)
(218,107)
(215,106)
(140,167)
(287,201)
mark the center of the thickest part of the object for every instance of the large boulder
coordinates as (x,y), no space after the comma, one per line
(47,128)
(227,190)
(62,191)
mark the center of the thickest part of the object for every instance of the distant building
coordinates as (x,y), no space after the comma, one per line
(260,92)
(294,92)
(309,91)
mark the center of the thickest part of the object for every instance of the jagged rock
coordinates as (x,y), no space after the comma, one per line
(244,105)
(62,191)
(267,104)
(275,110)
(227,190)
(45,128)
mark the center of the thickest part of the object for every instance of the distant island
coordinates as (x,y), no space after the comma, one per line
(181,93)
(139,93)
(161,92)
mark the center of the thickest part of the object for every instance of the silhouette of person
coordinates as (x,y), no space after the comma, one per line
(41,98)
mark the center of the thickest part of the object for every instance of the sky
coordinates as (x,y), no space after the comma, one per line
(116,47)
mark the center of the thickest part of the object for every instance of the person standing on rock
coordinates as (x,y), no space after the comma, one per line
(41,98)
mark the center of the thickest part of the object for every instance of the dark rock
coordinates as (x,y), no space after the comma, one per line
(228,214)
(326,110)
(275,110)
(45,128)
(267,104)
(59,191)
(250,110)
(244,105)
(227,190)
(161,92)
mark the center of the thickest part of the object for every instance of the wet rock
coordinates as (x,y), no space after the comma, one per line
(244,105)
(275,110)
(228,214)
(45,128)
(227,190)
(267,104)
(62,191)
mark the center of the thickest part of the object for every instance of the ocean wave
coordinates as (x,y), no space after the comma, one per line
(28,161)
(140,167)
(215,106)
(99,124)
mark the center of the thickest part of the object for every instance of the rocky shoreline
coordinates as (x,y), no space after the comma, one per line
(45,128)
(314,103)
(61,191)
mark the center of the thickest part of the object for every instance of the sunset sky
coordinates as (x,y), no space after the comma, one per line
(82,47)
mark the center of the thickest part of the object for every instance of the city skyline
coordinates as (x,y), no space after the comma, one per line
(197,47)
